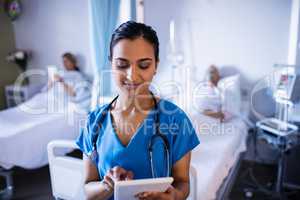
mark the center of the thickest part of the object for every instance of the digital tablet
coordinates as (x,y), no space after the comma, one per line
(128,189)
(52,70)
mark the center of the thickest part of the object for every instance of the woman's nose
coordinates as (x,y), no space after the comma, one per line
(132,73)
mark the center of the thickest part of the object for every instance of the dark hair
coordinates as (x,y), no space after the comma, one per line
(132,30)
(71,58)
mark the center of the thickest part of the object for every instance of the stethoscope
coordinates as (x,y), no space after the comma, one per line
(93,155)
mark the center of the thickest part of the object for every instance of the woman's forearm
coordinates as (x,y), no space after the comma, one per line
(97,191)
(217,115)
(182,190)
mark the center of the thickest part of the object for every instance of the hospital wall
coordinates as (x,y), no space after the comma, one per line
(249,35)
(50,28)
(8,71)
(297,39)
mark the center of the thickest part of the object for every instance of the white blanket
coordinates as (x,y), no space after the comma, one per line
(28,128)
(220,145)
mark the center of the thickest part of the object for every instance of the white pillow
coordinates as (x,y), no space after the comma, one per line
(231,94)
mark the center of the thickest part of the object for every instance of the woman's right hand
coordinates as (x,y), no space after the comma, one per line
(57,78)
(117,173)
(218,115)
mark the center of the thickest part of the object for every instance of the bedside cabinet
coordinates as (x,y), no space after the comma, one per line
(16,94)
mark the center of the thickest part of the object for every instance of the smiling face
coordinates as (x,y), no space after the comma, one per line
(134,65)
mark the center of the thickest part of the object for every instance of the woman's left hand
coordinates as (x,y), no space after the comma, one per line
(167,195)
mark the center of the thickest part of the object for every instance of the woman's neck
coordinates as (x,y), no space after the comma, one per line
(133,104)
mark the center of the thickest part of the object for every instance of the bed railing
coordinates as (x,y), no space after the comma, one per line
(66,172)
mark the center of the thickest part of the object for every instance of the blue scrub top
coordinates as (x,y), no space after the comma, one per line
(173,123)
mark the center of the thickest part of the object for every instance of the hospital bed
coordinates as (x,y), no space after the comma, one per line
(25,134)
(218,153)
(221,144)
(23,141)
(27,128)
(64,168)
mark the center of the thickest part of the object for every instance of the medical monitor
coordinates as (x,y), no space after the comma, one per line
(288,85)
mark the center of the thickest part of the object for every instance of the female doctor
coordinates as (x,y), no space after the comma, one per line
(137,135)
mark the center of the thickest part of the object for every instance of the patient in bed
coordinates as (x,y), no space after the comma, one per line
(70,65)
(64,86)
(211,99)
(52,114)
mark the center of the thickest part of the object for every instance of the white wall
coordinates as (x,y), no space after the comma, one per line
(250,35)
(294,26)
(296,37)
(50,28)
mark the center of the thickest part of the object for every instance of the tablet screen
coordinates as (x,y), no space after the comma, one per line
(128,189)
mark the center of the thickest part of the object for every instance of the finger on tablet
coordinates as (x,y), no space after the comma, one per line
(140,195)
(170,189)
(148,195)
(107,180)
(110,174)
(118,172)
(129,175)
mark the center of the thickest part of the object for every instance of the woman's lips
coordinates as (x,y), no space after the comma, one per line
(132,86)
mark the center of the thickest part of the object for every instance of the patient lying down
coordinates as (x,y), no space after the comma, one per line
(211,99)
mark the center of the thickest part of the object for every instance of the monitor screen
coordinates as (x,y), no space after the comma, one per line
(288,86)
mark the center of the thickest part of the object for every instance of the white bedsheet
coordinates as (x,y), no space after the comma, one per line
(25,133)
(220,145)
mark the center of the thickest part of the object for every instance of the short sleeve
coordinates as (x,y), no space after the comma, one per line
(185,139)
(84,140)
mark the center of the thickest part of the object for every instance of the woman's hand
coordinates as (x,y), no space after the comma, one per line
(170,194)
(69,89)
(217,115)
(117,174)
(57,78)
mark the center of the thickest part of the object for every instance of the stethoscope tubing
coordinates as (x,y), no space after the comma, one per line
(94,154)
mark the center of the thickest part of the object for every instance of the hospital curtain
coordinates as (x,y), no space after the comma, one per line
(133,10)
(104,16)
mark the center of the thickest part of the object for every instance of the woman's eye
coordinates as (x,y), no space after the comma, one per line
(122,66)
(144,65)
